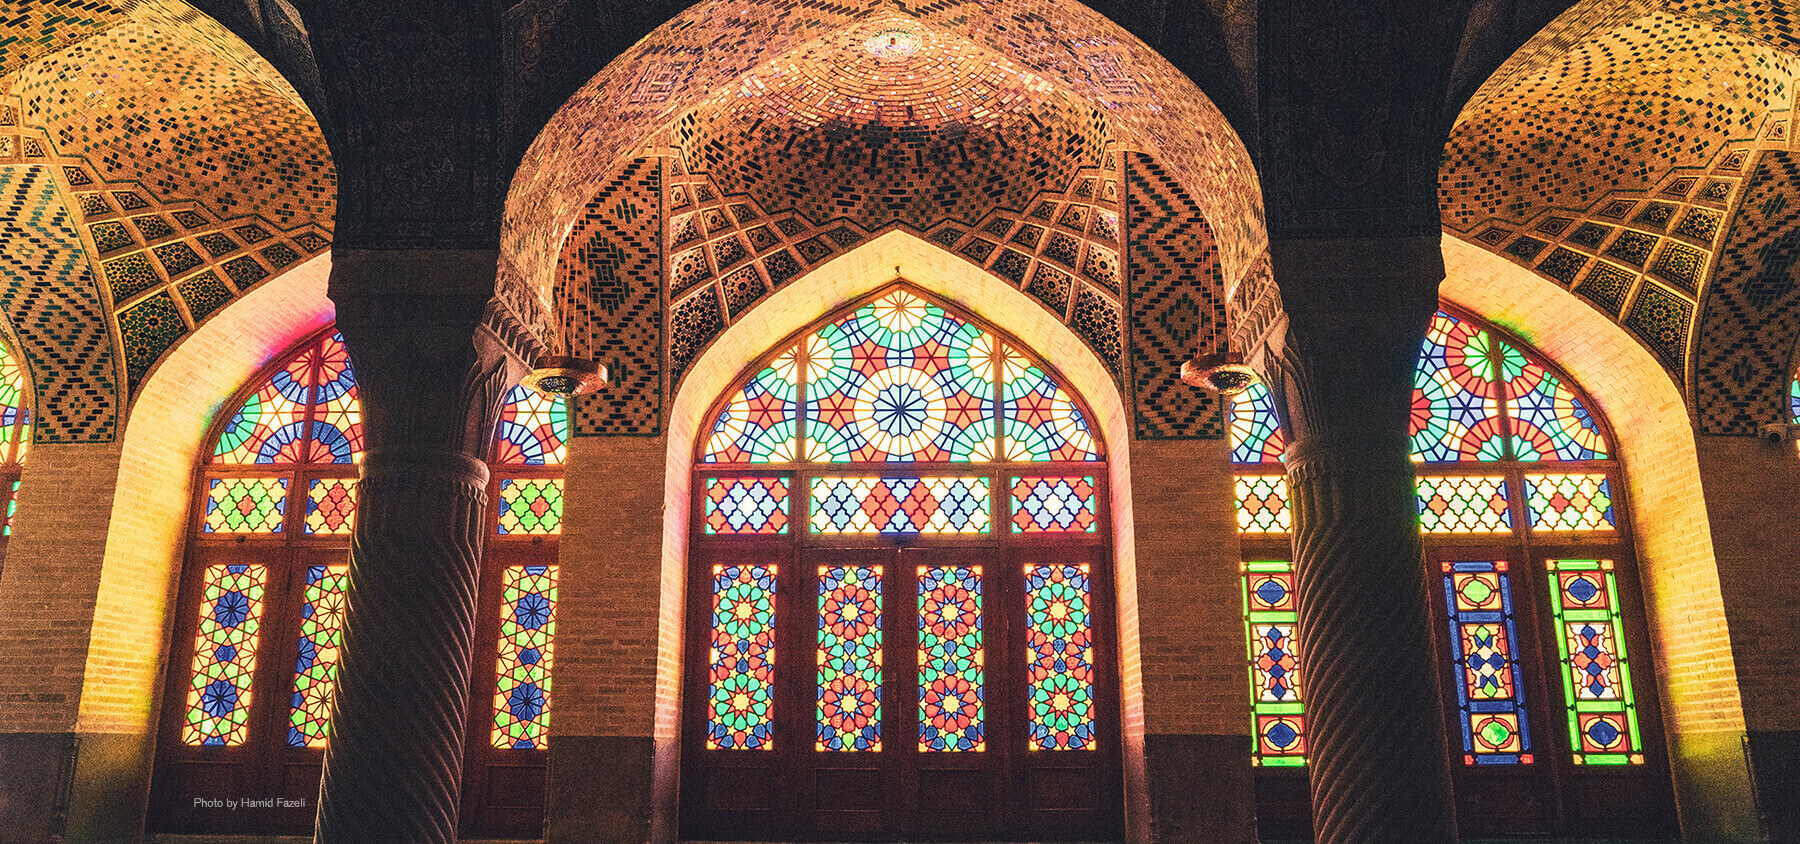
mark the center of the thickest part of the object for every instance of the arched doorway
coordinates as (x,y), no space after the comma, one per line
(912,506)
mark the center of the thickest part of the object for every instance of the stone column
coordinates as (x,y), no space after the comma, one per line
(1340,359)
(431,381)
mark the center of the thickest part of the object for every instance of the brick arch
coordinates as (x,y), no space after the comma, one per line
(1147,104)
(1703,710)
(1610,154)
(842,280)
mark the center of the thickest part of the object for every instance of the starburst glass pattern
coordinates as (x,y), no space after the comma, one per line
(1490,694)
(1059,657)
(530,507)
(901,505)
(1038,418)
(15,418)
(270,426)
(315,669)
(218,700)
(760,425)
(534,430)
(900,380)
(1262,504)
(1054,505)
(337,420)
(330,506)
(245,505)
(1569,502)
(1549,421)
(849,679)
(950,659)
(741,681)
(526,653)
(1455,408)
(745,506)
(1255,430)
(1603,722)
(1464,504)
(1278,714)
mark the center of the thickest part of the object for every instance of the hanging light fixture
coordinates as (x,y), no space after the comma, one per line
(564,376)
(1224,373)
(573,374)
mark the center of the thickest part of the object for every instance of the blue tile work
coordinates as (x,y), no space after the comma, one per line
(1177,304)
(55,308)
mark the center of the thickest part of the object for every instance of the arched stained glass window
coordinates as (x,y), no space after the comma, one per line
(899,380)
(1794,400)
(266,580)
(15,435)
(1528,558)
(901,586)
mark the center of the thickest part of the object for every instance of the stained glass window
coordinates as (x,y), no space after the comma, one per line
(1484,647)
(900,380)
(1255,430)
(1455,408)
(330,506)
(337,418)
(15,414)
(245,505)
(1569,502)
(849,710)
(1549,421)
(1262,504)
(741,678)
(901,505)
(525,655)
(745,506)
(1054,505)
(534,430)
(1794,400)
(530,507)
(12,509)
(1059,655)
(1463,504)
(760,424)
(950,659)
(1038,420)
(218,700)
(1278,713)
(315,669)
(1603,722)
(271,426)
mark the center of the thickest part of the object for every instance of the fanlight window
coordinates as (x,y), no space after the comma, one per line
(1518,501)
(267,574)
(900,380)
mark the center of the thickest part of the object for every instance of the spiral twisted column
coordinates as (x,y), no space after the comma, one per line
(1340,358)
(430,382)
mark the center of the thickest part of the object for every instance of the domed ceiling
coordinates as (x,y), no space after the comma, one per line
(891,120)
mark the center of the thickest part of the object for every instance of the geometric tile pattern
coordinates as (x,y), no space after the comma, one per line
(1752,319)
(50,297)
(1177,304)
(1555,150)
(610,285)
